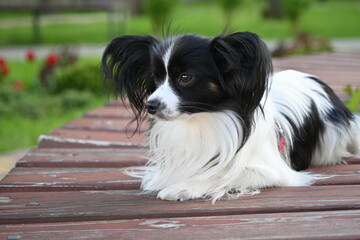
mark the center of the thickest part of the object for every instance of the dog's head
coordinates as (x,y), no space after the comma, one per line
(188,74)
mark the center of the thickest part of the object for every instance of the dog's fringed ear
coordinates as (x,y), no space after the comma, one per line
(244,63)
(126,70)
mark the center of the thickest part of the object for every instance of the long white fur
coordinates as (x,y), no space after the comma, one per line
(194,156)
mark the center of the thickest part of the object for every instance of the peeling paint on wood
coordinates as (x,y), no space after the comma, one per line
(82,206)
(297,225)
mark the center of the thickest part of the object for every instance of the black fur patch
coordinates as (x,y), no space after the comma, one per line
(339,114)
(306,139)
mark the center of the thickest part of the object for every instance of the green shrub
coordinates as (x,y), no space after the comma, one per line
(80,76)
(293,9)
(353,102)
(20,103)
(74,99)
(229,7)
(31,106)
(159,11)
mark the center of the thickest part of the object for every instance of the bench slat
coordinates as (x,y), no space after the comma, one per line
(67,179)
(72,138)
(104,124)
(77,179)
(45,207)
(78,157)
(96,157)
(117,111)
(314,225)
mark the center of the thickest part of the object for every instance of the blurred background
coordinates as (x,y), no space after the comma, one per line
(50,49)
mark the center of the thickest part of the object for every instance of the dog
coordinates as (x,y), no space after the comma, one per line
(221,122)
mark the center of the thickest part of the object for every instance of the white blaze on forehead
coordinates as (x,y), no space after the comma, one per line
(165,93)
(166,57)
(168,97)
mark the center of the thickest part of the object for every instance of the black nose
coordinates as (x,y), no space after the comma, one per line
(152,106)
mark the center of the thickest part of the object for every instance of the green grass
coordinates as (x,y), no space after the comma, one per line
(332,18)
(18,132)
(25,72)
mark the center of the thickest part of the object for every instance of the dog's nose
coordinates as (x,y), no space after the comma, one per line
(152,106)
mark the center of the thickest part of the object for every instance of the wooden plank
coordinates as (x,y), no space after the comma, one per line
(70,138)
(131,138)
(334,58)
(96,157)
(78,157)
(353,160)
(297,225)
(329,76)
(75,179)
(117,111)
(67,179)
(104,124)
(45,207)
(338,174)
(320,62)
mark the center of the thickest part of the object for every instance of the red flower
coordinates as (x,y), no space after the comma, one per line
(4,69)
(2,62)
(52,59)
(30,55)
(18,85)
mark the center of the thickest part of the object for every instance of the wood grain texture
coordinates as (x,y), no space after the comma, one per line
(67,179)
(98,135)
(104,124)
(80,157)
(72,138)
(300,225)
(117,111)
(100,178)
(46,207)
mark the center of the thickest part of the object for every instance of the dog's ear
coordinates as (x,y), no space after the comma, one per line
(244,63)
(126,70)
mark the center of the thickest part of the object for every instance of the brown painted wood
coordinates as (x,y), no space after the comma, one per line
(117,111)
(101,157)
(104,124)
(314,62)
(298,225)
(77,179)
(338,174)
(67,179)
(98,136)
(79,157)
(46,207)
(353,160)
(87,138)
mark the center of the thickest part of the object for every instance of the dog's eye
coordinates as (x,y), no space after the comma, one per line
(185,78)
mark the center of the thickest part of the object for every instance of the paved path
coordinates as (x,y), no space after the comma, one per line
(96,50)
(9,159)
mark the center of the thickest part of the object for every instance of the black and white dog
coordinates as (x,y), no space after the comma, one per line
(221,121)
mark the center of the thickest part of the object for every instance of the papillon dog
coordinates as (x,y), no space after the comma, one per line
(221,122)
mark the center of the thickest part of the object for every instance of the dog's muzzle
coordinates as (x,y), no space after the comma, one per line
(153,106)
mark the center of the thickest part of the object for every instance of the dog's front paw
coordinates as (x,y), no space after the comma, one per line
(174,193)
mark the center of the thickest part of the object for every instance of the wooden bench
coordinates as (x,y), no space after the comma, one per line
(39,7)
(73,186)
